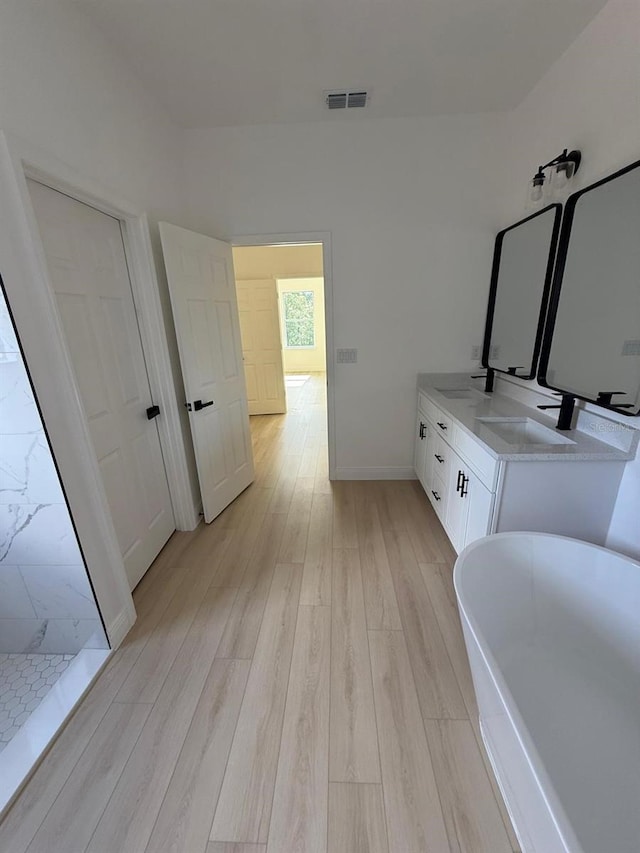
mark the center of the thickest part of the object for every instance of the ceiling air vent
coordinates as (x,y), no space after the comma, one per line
(337,100)
(340,99)
(356,99)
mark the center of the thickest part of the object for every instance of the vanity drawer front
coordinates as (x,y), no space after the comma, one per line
(442,455)
(482,462)
(444,425)
(442,422)
(438,496)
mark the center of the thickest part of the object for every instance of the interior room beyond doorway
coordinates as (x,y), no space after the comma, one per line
(282,318)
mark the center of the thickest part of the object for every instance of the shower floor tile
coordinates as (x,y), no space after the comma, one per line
(25,679)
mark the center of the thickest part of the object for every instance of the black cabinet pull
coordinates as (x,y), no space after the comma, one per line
(462,484)
(198,404)
(439,458)
(153,412)
(441,425)
(435,494)
(423,427)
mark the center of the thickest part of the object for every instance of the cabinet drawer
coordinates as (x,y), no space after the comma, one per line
(442,458)
(434,414)
(485,466)
(442,422)
(438,495)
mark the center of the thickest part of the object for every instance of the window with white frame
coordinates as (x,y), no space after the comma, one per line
(298,319)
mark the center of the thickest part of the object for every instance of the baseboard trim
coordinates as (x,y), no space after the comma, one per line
(121,625)
(375,474)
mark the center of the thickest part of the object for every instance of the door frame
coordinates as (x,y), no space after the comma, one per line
(323,238)
(33,305)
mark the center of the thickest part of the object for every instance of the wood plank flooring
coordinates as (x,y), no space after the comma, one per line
(296,682)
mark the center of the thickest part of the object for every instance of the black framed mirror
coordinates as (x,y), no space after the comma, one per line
(521,276)
(591,346)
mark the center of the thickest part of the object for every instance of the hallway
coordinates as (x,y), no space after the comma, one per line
(296,682)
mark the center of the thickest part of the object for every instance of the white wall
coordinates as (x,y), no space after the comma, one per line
(410,205)
(589,99)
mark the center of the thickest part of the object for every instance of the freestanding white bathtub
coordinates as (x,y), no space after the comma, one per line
(552,628)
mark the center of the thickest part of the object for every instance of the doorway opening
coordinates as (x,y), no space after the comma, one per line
(282,301)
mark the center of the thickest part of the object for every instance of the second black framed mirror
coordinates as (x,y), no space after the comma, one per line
(591,348)
(521,276)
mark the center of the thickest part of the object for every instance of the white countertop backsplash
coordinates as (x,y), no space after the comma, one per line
(595,436)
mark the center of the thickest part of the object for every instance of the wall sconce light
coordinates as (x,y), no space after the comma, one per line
(551,180)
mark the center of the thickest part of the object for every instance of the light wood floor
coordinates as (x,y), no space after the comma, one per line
(296,682)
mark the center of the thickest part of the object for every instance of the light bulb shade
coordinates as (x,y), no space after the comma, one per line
(536,191)
(551,181)
(561,174)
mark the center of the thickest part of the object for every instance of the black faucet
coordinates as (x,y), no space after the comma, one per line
(489,376)
(605,399)
(566,411)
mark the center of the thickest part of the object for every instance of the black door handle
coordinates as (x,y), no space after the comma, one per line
(198,404)
(422,430)
(153,412)
(441,425)
(439,458)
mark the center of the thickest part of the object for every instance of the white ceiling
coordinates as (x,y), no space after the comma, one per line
(231,62)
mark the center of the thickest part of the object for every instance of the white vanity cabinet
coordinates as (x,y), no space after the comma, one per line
(462,501)
(475,492)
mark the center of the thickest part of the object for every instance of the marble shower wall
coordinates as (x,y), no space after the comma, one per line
(46,601)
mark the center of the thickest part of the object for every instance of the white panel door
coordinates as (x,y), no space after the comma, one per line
(262,346)
(205,312)
(88,269)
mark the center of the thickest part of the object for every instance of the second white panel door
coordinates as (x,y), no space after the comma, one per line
(88,268)
(205,312)
(262,346)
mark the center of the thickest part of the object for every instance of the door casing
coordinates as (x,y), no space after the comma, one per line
(34,308)
(324,238)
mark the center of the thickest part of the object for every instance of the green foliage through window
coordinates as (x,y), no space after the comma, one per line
(298,318)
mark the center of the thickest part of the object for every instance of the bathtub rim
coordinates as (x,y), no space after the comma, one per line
(545,784)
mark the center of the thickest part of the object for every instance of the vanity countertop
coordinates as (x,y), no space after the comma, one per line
(485,416)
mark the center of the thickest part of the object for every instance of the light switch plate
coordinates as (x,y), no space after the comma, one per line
(347,356)
(631,348)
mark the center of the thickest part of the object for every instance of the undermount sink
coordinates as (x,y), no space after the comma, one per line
(523,431)
(459,393)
